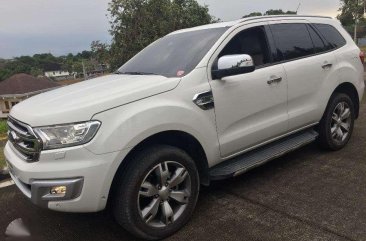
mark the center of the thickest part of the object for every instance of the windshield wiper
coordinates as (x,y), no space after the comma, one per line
(135,73)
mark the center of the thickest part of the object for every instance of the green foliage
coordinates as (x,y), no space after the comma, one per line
(2,158)
(361,29)
(34,65)
(254,14)
(279,12)
(100,52)
(137,23)
(351,11)
(3,127)
(270,12)
(352,17)
(39,63)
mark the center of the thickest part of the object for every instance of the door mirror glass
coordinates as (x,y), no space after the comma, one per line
(230,65)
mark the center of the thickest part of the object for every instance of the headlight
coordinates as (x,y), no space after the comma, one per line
(61,136)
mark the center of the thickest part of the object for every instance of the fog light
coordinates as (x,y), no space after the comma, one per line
(59,190)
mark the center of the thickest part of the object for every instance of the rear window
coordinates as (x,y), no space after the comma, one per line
(331,34)
(292,41)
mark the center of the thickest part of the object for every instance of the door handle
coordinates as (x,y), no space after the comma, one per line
(274,79)
(327,66)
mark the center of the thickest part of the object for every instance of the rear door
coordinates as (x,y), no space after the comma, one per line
(308,65)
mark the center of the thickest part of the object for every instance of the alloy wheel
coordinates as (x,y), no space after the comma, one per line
(341,122)
(164,194)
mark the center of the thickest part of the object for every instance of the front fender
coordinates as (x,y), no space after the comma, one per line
(126,126)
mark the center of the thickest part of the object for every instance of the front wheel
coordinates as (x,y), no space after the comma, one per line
(336,127)
(157,193)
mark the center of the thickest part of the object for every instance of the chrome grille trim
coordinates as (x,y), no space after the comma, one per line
(26,144)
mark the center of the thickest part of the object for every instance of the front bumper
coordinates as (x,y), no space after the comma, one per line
(86,176)
(39,191)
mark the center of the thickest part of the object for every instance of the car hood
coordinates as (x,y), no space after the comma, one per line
(79,102)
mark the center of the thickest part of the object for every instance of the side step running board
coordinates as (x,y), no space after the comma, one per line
(243,163)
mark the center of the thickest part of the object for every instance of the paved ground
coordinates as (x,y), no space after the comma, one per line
(307,195)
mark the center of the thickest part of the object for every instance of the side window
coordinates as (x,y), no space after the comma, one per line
(292,41)
(331,34)
(319,44)
(251,41)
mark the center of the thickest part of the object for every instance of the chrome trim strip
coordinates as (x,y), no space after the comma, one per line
(13,127)
(17,152)
(23,140)
(206,105)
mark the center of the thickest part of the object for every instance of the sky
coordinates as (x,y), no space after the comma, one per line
(59,27)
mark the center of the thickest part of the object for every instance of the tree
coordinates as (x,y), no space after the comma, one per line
(254,14)
(352,12)
(279,12)
(271,12)
(39,63)
(36,72)
(137,23)
(100,52)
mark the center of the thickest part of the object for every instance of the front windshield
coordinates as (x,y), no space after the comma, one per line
(173,55)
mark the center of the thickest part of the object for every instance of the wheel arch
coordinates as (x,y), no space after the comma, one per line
(179,139)
(350,90)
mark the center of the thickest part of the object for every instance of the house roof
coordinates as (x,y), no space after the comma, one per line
(24,83)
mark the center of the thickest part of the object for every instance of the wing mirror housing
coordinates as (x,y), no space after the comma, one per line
(230,65)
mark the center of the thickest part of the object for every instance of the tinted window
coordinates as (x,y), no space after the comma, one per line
(317,41)
(174,55)
(292,41)
(253,42)
(331,34)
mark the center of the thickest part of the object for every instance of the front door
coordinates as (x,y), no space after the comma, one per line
(250,108)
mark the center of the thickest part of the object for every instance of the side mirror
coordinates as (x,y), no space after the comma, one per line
(230,65)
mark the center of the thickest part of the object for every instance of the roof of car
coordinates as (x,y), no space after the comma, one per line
(235,22)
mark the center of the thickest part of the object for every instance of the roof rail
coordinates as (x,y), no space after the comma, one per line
(283,16)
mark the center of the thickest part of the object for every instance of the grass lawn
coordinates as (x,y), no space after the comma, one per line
(3,130)
(2,158)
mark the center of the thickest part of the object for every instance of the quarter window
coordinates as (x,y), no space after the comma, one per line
(332,35)
(292,41)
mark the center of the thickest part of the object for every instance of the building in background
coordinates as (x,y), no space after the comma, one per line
(20,87)
(59,75)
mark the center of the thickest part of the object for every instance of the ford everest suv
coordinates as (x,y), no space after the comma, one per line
(199,104)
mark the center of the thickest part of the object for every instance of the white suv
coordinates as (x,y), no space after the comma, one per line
(199,104)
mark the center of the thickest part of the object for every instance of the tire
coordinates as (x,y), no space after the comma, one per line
(334,123)
(141,191)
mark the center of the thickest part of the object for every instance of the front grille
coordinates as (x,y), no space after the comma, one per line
(24,141)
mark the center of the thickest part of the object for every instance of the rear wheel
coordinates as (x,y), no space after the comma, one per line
(336,127)
(158,192)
